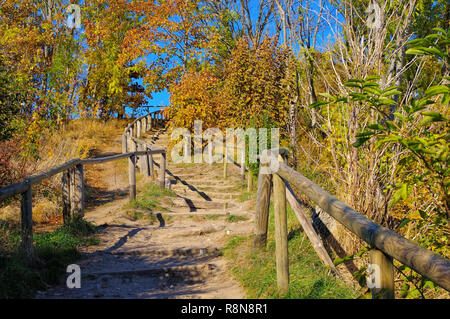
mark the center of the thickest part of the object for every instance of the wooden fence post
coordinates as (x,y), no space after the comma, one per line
(72,195)
(249,181)
(225,161)
(124,143)
(281,241)
(383,273)
(243,164)
(210,153)
(144,162)
(65,185)
(79,190)
(148,171)
(150,121)
(262,209)
(134,148)
(26,212)
(144,124)
(162,166)
(151,167)
(132,176)
(138,124)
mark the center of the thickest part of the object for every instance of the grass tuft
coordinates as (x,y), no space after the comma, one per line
(309,278)
(236,218)
(149,199)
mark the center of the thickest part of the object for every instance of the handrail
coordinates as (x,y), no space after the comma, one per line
(424,261)
(18,188)
(385,243)
(73,182)
(140,118)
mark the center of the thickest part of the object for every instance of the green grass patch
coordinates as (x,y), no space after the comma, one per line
(309,278)
(235,218)
(54,251)
(134,215)
(245,196)
(149,198)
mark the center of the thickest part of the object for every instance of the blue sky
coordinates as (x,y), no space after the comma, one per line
(163,98)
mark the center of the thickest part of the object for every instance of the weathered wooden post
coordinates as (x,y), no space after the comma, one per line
(144,124)
(262,209)
(132,176)
(249,181)
(148,171)
(26,212)
(144,162)
(66,195)
(78,191)
(150,122)
(162,174)
(134,148)
(151,167)
(210,153)
(72,195)
(281,241)
(138,124)
(243,164)
(383,273)
(124,143)
(225,161)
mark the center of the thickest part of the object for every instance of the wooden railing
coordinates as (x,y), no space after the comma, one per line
(73,179)
(131,141)
(385,244)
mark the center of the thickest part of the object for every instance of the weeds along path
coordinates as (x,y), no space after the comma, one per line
(166,244)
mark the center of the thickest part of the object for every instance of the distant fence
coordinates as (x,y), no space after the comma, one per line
(385,244)
(73,177)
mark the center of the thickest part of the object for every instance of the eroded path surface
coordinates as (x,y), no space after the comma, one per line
(175,252)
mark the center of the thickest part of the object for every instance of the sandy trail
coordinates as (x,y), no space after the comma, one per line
(176,257)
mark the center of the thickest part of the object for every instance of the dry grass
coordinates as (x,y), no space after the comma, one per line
(44,210)
(79,139)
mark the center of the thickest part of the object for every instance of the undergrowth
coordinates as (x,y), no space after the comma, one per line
(53,252)
(309,278)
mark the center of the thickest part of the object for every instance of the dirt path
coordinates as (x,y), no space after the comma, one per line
(179,256)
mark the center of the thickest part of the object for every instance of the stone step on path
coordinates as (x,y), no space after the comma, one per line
(196,204)
(179,258)
(196,193)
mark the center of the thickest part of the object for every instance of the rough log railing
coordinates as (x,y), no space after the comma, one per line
(385,244)
(73,178)
(131,141)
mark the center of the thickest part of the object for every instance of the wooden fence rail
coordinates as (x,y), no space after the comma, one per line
(385,244)
(73,179)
